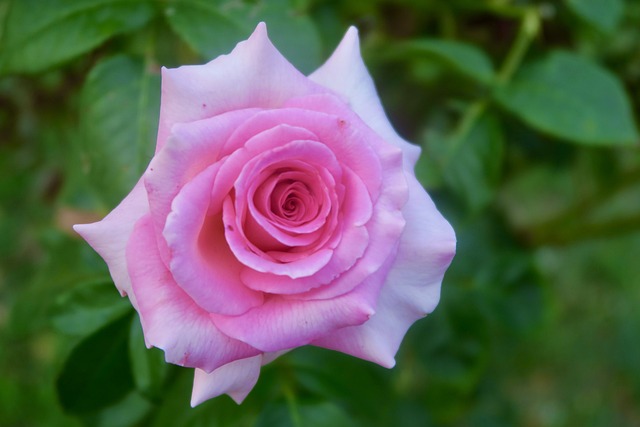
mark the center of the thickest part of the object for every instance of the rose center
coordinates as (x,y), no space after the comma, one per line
(293,201)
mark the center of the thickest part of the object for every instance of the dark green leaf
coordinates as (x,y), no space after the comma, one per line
(602,14)
(571,98)
(324,414)
(462,58)
(206,27)
(330,375)
(174,410)
(129,411)
(473,169)
(97,373)
(87,307)
(214,28)
(292,32)
(148,365)
(120,105)
(40,34)
(469,163)
(68,261)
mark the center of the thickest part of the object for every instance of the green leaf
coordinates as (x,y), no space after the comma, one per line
(601,14)
(97,374)
(127,412)
(320,372)
(214,28)
(66,261)
(323,414)
(88,307)
(41,34)
(205,26)
(571,98)
(174,409)
(470,163)
(120,108)
(292,31)
(462,58)
(148,365)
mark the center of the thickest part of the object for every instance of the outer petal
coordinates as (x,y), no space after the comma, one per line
(355,84)
(254,74)
(235,379)
(109,237)
(281,324)
(412,288)
(170,319)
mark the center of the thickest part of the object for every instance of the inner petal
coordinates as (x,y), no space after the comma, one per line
(294,202)
(281,200)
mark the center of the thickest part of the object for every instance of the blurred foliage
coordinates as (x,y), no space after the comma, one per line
(527,112)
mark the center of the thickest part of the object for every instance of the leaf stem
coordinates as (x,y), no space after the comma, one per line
(529,28)
(292,404)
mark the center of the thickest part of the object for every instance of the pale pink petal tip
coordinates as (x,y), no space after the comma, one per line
(236,379)
(261,29)
(357,87)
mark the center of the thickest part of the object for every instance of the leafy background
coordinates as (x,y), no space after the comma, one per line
(527,112)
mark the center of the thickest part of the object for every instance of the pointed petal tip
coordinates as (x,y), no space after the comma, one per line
(260,31)
(236,379)
(352,34)
(85,230)
(382,356)
(238,397)
(196,400)
(387,362)
(350,42)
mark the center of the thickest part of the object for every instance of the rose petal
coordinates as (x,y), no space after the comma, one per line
(263,141)
(244,252)
(191,148)
(236,379)
(170,319)
(314,188)
(281,324)
(352,245)
(412,288)
(254,74)
(309,161)
(350,140)
(356,85)
(201,262)
(241,243)
(383,230)
(386,226)
(109,237)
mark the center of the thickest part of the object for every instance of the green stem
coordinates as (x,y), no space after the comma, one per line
(529,28)
(472,113)
(292,404)
(4,12)
(447,23)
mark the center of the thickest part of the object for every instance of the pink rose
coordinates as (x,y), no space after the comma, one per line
(279,210)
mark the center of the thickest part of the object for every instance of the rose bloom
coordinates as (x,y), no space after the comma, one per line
(279,210)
